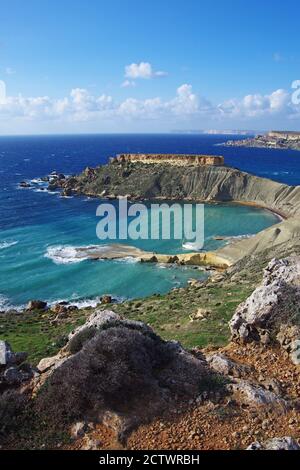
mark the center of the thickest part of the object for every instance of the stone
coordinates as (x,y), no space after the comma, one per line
(201,314)
(48,363)
(269,311)
(59,308)
(295,352)
(96,320)
(36,305)
(278,443)
(248,394)
(24,184)
(225,366)
(8,357)
(5,353)
(78,430)
(106,299)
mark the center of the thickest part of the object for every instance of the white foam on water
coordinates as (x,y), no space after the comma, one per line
(71,254)
(192,246)
(7,244)
(5,304)
(128,260)
(63,255)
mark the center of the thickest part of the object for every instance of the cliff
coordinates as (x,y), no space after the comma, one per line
(196,183)
(203,184)
(170,159)
(273,139)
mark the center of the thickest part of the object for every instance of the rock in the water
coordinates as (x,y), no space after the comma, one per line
(36,305)
(273,308)
(24,184)
(278,443)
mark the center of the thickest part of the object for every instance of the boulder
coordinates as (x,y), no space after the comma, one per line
(200,314)
(106,299)
(255,396)
(272,311)
(59,308)
(36,305)
(5,353)
(24,184)
(278,443)
(96,320)
(8,357)
(225,366)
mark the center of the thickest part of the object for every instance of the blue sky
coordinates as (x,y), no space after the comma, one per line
(135,66)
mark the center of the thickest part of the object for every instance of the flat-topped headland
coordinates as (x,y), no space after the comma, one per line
(171,159)
(272,139)
(137,177)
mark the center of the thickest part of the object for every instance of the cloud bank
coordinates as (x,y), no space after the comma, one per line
(186,106)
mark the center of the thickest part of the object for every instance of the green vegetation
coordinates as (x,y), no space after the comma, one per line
(170,315)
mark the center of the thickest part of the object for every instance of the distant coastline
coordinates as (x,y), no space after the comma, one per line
(281,140)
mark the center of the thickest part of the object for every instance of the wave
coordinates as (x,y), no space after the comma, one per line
(63,255)
(71,254)
(230,238)
(7,244)
(194,246)
(5,304)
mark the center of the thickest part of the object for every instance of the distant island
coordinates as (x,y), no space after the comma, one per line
(215,132)
(273,139)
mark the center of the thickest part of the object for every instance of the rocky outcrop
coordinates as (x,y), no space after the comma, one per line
(226,366)
(278,443)
(14,371)
(203,183)
(271,313)
(273,139)
(36,305)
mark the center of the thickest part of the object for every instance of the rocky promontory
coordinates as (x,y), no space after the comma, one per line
(212,184)
(272,140)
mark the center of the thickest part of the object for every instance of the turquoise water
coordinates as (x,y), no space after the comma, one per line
(36,225)
(31,265)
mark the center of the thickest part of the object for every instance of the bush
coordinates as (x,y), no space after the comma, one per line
(125,369)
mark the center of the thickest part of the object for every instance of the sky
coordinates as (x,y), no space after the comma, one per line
(100,66)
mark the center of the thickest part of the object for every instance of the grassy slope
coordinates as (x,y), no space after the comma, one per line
(168,314)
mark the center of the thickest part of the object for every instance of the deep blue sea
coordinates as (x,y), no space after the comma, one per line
(36,225)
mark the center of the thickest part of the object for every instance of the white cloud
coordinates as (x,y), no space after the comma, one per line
(185,106)
(258,105)
(142,70)
(128,84)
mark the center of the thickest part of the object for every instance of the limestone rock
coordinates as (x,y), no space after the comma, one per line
(225,366)
(278,443)
(50,362)
(273,308)
(8,357)
(252,395)
(96,320)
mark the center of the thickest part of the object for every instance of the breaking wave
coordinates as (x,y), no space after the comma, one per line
(7,244)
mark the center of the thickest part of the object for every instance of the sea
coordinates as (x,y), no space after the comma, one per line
(39,229)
